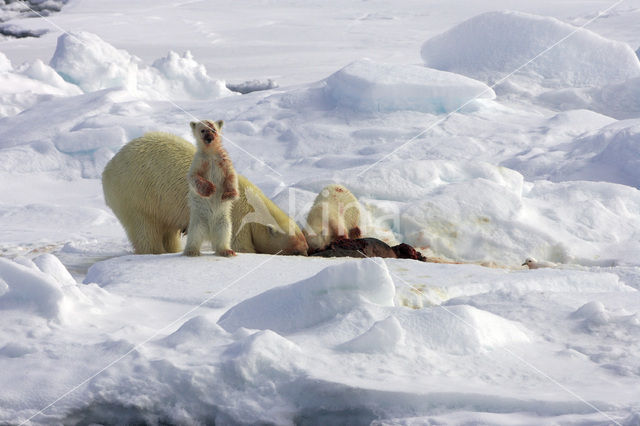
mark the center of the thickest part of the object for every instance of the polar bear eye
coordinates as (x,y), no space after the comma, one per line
(202,131)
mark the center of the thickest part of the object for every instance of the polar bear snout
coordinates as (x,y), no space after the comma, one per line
(208,137)
(296,245)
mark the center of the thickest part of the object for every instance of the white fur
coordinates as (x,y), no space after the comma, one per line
(532,263)
(145,184)
(334,214)
(210,217)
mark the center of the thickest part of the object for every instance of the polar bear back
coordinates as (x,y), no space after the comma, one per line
(147,175)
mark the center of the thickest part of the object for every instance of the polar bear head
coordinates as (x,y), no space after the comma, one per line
(207,133)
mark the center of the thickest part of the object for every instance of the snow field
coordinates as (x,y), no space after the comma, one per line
(544,166)
(260,348)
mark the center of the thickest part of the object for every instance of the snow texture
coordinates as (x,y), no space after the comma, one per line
(543,165)
(86,60)
(332,292)
(492,45)
(29,84)
(30,289)
(368,86)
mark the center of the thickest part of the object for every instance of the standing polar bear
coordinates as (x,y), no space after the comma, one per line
(145,184)
(335,214)
(213,184)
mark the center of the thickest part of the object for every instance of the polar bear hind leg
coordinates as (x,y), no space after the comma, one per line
(198,231)
(221,235)
(171,241)
(145,235)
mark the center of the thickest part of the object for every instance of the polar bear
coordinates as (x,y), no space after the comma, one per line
(145,184)
(213,185)
(335,214)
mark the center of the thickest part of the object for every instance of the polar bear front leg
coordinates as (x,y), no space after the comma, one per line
(230,186)
(203,187)
(196,178)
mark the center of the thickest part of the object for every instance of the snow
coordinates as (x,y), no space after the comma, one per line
(44,286)
(618,100)
(609,153)
(350,338)
(29,84)
(383,336)
(543,165)
(492,45)
(615,148)
(332,292)
(86,60)
(51,265)
(30,290)
(368,86)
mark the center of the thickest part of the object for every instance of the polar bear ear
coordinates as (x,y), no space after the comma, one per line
(219,124)
(193,124)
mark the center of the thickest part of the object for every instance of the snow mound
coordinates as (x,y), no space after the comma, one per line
(469,220)
(196,329)
(610,154)
(594,220)
(261,357)
(619,159)
(491,45)
(619,100)
(365,85)
(592,314)
(51,265)
(383,336)
(180,77)
(86,60)
(460,329)
(22,287)
(28,84)
(333,291)
(46,288)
